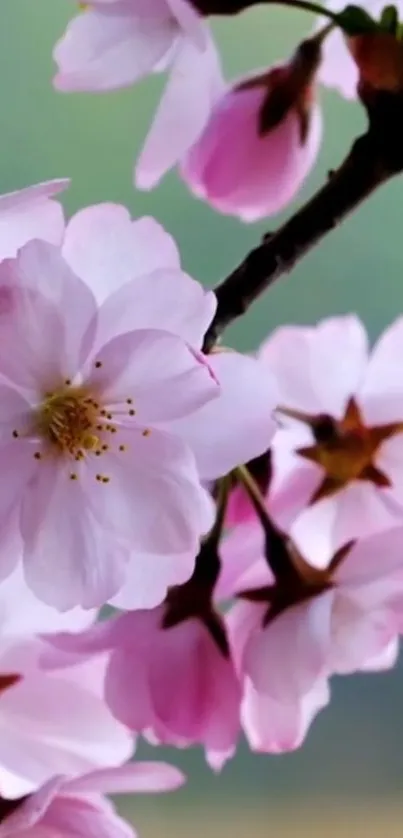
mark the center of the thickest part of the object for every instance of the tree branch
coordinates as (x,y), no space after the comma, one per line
(374,158)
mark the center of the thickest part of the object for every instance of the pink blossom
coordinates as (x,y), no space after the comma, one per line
(30,213)
(88,471)
(250,161)
(63,807)
(115,43)
(120,259)
(337,459)
(51,721)
(176,684)
(294,631)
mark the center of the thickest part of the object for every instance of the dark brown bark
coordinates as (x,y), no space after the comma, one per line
(374,158)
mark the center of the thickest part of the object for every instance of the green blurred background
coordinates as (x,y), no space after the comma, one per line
(348,777)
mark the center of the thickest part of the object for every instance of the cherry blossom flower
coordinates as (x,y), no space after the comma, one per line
(337,472)
(170,674)
(118,257)
(260,142)
(296,628)
(114,44)
(66,807)
(88,473)
(28,214)
(51,721)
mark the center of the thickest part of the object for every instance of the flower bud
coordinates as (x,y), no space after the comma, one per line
(261,140)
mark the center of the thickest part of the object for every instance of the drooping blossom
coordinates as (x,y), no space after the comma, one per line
(28,214)
(296,626)
(337,459)
(114,44)
(339,69)
(50,721)
(170,673)
(261,140)
(63,807)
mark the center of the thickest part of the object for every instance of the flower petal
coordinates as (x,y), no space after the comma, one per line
(106,249)
(154,498)
(162,378)
(111,47)
(138,777)
(286,658)
(238,425)
(194,85)
(165,299)
(31,214)
(69,557)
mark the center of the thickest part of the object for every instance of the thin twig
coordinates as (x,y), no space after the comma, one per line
(373,159)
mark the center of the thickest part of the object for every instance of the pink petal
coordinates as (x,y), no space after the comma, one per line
(165,299)
(106,249)
(384,660)
(238,425)
(111,47)
(337,69)
(373,558)
(289,655)
(240,552)
(57,520)
(162,376)
(358,635)
(381,393)
(301,358)
(138,777)
(52,722)
(84,817)
(276,727)
(21,613)
(193,87)
(359,510)
(31,809)
(53,318)
(153,481)
(149,577)
(31,214)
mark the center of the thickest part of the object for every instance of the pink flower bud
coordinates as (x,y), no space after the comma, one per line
(260,142)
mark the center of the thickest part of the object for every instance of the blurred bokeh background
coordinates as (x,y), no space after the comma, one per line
(347,779)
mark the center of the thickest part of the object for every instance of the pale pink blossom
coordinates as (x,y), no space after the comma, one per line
(89,474)
(63,807)
(30,213)
(120,259)
(175,684)
(337,458)
(115,43)
(290,634)
(51,721)
(248,163)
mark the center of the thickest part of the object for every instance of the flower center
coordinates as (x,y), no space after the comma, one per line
(68,419)
(345,448)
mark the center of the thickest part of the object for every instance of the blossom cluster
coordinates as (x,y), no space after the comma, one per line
(241,515)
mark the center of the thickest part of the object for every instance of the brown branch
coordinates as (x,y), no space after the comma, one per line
(374,158)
